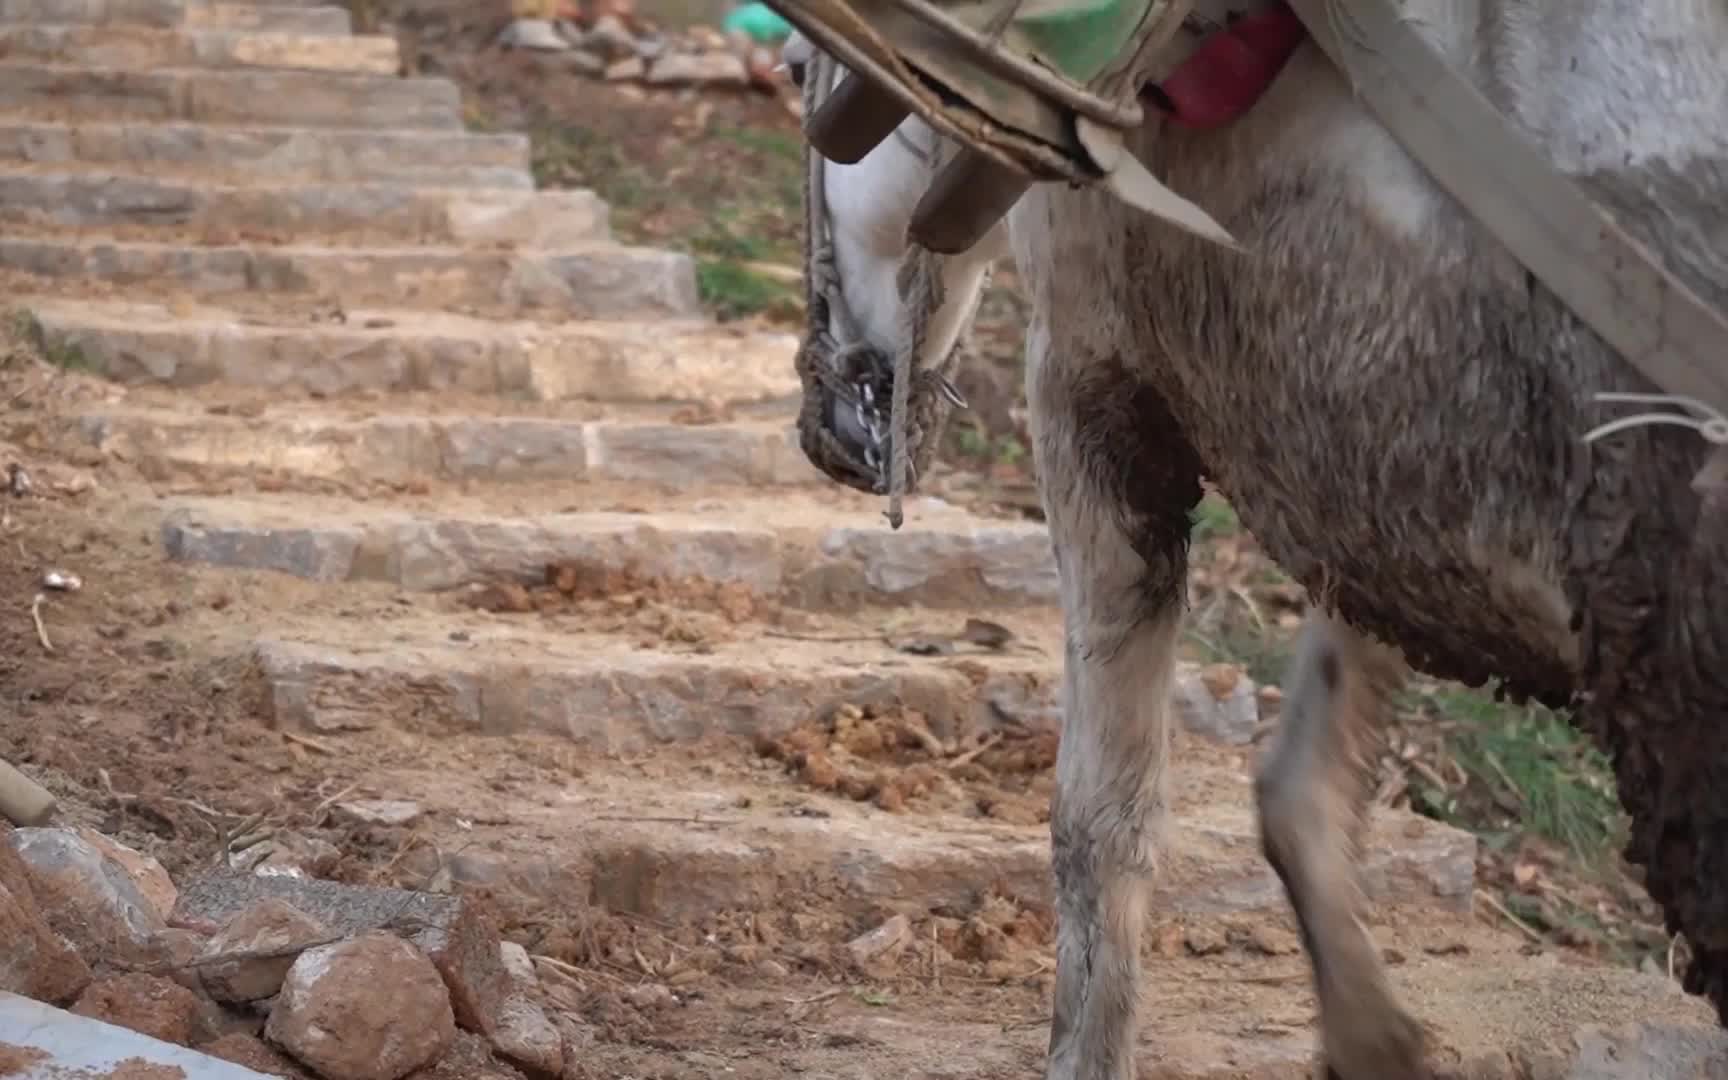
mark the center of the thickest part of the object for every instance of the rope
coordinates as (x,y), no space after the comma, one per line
(1711,425)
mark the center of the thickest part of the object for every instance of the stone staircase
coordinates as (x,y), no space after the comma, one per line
(396,371)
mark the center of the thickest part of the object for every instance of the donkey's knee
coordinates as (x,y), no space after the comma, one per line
(1312,795)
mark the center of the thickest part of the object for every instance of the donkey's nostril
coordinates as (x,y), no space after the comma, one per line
(795,71)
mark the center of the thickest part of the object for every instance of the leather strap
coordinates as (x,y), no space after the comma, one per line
(1610,281)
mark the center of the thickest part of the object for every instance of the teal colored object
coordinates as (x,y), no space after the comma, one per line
(1081,40)
(761,22)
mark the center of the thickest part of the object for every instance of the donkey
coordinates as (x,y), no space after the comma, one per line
(1394,408)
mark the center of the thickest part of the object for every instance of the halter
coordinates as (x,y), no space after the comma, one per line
(834,340)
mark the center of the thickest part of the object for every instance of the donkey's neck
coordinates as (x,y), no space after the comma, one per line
(870,205)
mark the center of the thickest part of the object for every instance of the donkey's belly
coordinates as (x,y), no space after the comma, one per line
(1400,443)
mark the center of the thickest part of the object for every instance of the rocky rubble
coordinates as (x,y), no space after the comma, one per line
(609,41)
(282,974)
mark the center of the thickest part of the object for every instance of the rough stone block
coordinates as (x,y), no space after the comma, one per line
(332,1016)
(146,873)
(445,159)
(256,96)
(36,962)
(269,928)
(90,898)
(599,282)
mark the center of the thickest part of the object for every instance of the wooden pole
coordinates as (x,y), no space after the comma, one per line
(23,801)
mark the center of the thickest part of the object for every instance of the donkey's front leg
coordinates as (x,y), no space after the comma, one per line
(1117,481)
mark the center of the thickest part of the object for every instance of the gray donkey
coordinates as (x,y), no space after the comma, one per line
(1394,408)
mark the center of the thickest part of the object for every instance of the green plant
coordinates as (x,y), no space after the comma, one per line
(1529,772)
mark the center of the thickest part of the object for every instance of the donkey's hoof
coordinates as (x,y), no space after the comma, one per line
(1387,1047)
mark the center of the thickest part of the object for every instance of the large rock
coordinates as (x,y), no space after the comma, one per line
(147,1004)
(369,1008)
(36,961)
(271,931)
(455,932)
(146,873)
(90,898)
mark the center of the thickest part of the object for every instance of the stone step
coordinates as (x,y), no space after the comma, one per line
(740,835)
(415,448)
(600,282)
(609,694)
(469,672)
(274,155)
(296,18)
(396,351)
(802,553)
(257,96)
(144,48)
(337,214)
(330,19)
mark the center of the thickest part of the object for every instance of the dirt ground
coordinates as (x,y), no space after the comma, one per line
(134,699)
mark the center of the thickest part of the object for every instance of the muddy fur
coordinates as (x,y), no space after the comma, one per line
(1394,408)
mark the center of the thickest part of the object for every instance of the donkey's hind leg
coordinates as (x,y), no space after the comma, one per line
(1312,791)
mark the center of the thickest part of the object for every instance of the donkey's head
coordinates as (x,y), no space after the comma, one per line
(873,298)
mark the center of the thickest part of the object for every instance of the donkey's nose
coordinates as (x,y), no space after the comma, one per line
(858,428)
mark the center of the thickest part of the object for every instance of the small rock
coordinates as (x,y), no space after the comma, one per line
(183,947)
(610,38)
(389,813)
(146,873)
(1272,941)
(519,964)
(469,1058)
(1205,941)
(772,968)
(527,1037)
(578,1036)
(537,34)
(520,1029)
(148,1004)
(297,856)
(626,70)
(1221,679)
(252,1053)
(708,39)
(705,69)
(651,996)
(1231,718)
(583,62)
(35,962)
(89,898)
(885,941)
(267,927)
(369,1008)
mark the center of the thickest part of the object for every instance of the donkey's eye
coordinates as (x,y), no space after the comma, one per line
(795,69)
